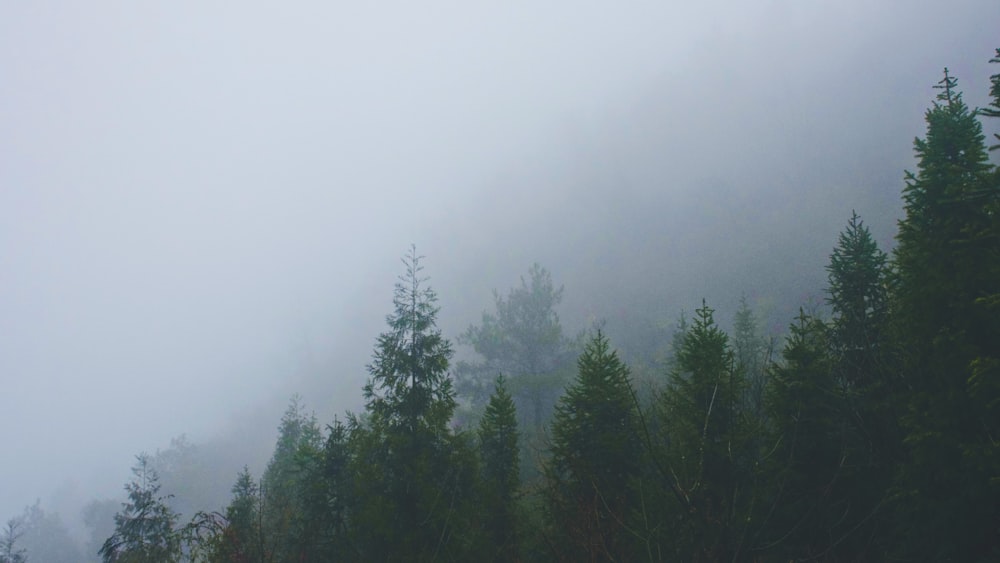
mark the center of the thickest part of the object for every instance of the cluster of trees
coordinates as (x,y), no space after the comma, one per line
(873,435)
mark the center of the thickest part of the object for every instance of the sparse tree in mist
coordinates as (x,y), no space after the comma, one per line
(524,341)
(145,527)
(10,550)
(947,320)
(414,476)
(752,353)
(46,538)
(596,452)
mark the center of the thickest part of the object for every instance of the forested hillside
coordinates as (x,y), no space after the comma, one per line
(869,432)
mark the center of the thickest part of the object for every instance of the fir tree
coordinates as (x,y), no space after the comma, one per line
(865,371)
(414,476)
(10,551)
(243,540)
(595,455)
(805,407)
(522,339)
(947,325)
(284,479)
(144,528)
(498,448)
(709,446)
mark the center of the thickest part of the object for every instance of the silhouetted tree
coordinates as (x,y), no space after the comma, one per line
(947,324)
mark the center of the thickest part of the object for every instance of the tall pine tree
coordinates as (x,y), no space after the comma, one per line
(413,475)
(946,263)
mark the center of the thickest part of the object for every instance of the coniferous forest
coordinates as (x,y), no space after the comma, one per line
(869,432)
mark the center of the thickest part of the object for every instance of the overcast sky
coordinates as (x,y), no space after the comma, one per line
(197,197)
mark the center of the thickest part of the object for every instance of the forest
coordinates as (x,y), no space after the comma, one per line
(869,432)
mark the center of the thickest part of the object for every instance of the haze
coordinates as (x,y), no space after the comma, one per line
(202,204)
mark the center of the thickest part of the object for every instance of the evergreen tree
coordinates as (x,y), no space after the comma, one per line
(243,540)
(595,455)
(993,110)
(523,339)
(709,447)
(46,538)
(752,353)
(299,438)
(858,295)
(325,497)
(413,476)
(144,528)
(10,552)
(947,324)
(498,449)
(808,518)
(865,371)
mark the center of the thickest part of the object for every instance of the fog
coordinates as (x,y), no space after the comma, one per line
(203,204)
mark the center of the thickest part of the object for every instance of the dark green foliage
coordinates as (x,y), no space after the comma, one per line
(805,405)
(325,497)
(709,447)
(858,294)
(865,368)
(414,477)
(595,455)
(499,455)
(947,326)
(144,528)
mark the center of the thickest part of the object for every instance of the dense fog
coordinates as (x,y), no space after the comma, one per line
(203,205)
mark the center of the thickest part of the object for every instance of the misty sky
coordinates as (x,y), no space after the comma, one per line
(201,202)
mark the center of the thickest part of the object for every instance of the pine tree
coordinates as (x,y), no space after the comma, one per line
(524,340)
(144,528)
(325,495)
(752,353)
(243,540)
(993,110)
(498,449)
(10,552)
(947,325)
(858,295)
(865,371)
(284,479)
(805,407)
(413,476)
(595,455)
(709,446)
